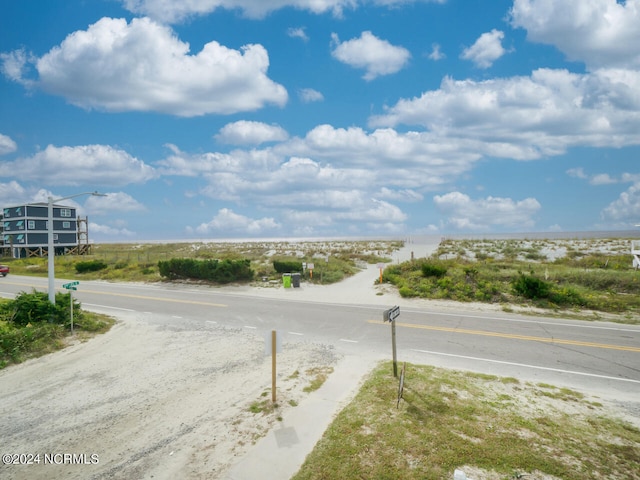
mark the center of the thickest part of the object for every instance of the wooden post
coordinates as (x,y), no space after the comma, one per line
(273,366)
(401,386)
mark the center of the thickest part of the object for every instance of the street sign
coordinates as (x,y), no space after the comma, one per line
(391,314)
(71,286)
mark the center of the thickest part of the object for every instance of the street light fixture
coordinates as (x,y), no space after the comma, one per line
(51,252)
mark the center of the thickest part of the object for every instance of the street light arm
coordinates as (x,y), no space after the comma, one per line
(94,194)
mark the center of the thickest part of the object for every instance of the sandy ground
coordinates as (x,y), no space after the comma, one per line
(147,402)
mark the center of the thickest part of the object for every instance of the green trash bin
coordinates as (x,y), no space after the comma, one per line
(286,280)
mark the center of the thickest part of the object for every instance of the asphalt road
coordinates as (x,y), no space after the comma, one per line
(596,357)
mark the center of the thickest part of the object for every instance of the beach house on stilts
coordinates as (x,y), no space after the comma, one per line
(24,231)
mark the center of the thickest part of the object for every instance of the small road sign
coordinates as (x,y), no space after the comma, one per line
(71,285)
(391,314)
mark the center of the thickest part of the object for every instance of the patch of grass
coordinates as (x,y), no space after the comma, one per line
(450,419)
(507,380)
(565,394)
(319,376)
(264,407)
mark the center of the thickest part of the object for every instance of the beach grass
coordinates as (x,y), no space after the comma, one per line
(587,277)
(487,426)
(138,262)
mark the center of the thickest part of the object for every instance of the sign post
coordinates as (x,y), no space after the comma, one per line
(273,345)
(273,366)
(390,316)
(71,286)
(380,266)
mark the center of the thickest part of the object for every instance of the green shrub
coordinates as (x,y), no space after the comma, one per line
(31,326)
(287,266)
(407,292)
(18,341)
(34,307)
(332,276)
(567,296)
(531,287)
(433,270)
(90,266)
(218,271)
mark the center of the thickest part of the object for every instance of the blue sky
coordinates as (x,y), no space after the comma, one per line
(321,118)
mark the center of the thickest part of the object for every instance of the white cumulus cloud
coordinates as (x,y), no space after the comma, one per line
(228,222)
(378,57)
(113,202)
(626,209)
(308,95)
(486,50)
(142,66)
(12,193)
(600,33)
(463,212)
(177,11)
(7,145)
(436,54)
(109,231)
(298,32)
(246,132)
(81,165)
(528,117)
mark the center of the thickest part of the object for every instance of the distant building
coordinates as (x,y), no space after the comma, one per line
(24,231)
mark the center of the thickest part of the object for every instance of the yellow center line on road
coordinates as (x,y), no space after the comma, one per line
(142,297)
(529,338)
(160,299)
